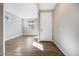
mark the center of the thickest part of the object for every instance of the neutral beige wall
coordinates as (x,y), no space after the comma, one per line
(1,29)
(66,28)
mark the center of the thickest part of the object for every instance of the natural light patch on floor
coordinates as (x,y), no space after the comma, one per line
(38,45)
(18,50)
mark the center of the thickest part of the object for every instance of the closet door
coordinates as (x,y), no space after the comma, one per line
(46,26)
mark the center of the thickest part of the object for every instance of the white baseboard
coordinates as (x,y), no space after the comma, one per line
(60,48)
(12,37)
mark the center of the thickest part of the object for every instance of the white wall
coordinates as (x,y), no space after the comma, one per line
(23,10)
(13,26)
(66,28)
(16,11)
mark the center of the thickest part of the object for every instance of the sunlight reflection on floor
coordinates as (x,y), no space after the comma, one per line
(38,45)
(18,50)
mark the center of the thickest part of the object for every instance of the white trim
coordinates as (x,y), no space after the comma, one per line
(12,37)
(60,48)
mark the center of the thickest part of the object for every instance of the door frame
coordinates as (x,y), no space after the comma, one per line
(44,11)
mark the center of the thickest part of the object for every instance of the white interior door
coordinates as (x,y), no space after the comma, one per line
(46,26)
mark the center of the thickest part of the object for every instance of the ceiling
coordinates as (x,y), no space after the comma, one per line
(27,10)
(47,6)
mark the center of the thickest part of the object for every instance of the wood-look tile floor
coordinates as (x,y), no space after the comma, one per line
(24,46)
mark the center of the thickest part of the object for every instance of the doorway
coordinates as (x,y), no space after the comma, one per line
(46,26)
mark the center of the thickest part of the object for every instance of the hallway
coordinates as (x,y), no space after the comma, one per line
(27,46)
(51,22)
